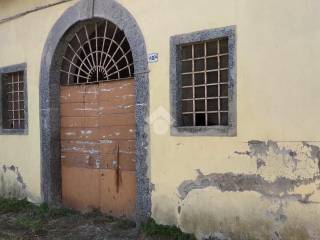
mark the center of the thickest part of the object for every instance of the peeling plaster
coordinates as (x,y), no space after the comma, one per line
(11,183)
(281,188)
(315,152)
(260,149)
(260,163)
(292,172)
(274,160)
(283,176)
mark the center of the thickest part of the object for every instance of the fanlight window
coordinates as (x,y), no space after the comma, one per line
(99,51)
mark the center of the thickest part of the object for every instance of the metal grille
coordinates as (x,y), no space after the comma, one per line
(204,83)
(13,106)
(99,51)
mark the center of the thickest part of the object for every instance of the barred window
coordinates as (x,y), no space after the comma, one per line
(204,85)
(202,78)
(13,107)
(13,94)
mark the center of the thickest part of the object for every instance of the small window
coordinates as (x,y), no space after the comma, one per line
(204,98)
(13,106)
(203,83)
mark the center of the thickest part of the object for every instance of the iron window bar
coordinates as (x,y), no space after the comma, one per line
(97,52)
(196,93)
(14,101)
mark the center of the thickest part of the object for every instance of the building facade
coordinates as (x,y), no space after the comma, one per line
(200,114)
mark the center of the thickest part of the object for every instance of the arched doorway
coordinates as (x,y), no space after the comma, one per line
(100,12)
(97,116)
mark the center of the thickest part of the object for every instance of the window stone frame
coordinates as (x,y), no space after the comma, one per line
(175,83)
(11,69)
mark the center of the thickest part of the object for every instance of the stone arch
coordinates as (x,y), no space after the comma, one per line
(83,11)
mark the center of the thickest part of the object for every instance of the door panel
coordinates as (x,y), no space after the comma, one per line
(79,160)
(117,126)
(109,146)
(73,122)
(118,132)
(87,122)
(89,134)
(117,119)
(126,163)
(91,93)
(98,147)
(69,94)
(119,199)
(72,109)
(81,188)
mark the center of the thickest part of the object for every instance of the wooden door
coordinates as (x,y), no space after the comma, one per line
(98,147)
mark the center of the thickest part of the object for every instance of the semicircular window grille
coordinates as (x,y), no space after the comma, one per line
(99,51)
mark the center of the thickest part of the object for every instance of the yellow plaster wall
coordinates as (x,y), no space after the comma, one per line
(278,72)
(22,40)
(12,7)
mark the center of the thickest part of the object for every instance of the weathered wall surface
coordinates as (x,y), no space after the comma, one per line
(11,183)
(277,197)
(12,7)
(22,40)
(262,184)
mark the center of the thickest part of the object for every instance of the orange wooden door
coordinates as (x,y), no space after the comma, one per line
(98,147)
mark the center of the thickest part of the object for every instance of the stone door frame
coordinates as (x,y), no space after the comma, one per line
(52,54)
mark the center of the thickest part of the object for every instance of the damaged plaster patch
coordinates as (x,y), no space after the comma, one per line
(260,163)
(292,160)
(260,150)
(11,183)
(281,170)
(281,188)
(281,176)
(314,153)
